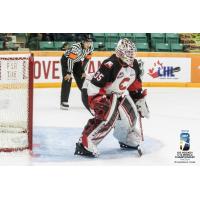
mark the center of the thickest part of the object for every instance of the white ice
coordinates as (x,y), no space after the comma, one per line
(56,131)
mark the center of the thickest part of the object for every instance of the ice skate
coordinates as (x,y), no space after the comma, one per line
(80,150)
(64,106)
(127,147)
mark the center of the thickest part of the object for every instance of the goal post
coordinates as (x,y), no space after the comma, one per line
(16,101)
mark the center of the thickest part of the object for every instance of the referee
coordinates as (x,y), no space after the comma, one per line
(74,60)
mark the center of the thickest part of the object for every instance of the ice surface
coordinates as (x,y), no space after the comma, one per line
(56,131)
(58,145)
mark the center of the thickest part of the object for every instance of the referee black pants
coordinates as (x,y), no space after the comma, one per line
(66,85)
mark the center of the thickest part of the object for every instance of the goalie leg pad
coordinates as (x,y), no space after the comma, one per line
(125,131)
(84,141)
(96,129)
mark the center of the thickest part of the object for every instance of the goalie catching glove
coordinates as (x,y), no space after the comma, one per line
(142,107)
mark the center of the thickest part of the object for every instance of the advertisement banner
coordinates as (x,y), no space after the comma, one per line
(158,69)
(47,69)
(195,69)
(14,69)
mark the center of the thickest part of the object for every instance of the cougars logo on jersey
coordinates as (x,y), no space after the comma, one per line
(123,84)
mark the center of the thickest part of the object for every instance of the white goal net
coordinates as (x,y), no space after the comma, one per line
(16,97)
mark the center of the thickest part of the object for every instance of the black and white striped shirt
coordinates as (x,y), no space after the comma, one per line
(76,54)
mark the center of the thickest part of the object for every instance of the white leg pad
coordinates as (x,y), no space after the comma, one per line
(125,130)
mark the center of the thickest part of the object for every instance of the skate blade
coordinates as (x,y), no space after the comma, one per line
(84,155)
(128,148)
(64,108)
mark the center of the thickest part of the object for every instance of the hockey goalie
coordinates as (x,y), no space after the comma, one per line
(115,98)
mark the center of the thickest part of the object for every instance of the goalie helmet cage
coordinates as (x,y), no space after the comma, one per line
(16,101)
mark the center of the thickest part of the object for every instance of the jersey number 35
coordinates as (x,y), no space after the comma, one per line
(98,76)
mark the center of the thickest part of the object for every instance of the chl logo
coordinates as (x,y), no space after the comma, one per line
(159,70)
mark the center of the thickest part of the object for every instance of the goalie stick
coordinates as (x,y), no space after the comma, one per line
(141,128)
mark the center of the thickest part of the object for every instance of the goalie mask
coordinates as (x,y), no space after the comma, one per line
(126,51)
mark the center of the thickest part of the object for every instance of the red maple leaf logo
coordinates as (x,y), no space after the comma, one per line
(152,73)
